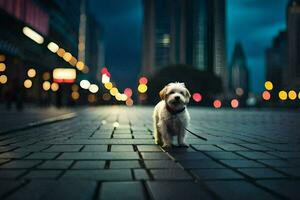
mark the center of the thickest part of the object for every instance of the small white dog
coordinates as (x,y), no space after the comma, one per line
(170,115)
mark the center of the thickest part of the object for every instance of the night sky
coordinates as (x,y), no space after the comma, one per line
(252,22)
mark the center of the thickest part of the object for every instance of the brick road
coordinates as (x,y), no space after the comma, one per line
(108,153)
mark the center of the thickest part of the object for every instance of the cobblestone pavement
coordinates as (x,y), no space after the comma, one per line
(108,153)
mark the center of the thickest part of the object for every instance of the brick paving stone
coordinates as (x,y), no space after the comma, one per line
(170,174)
(8,185)
(150,148)
(95,148)
(160,164)
(13,155)
(3,161)
(64,148)
(154,156)
(256,155)
(122,136)
(287,188)
(11,173)
(188,156)
(238,189)
(32,148)
(55,164)
(44,174)
(216,174)
(51,189)
(291,171)
(121,148)
(100,156)
(232,147)
(41,155)
(124,164)
(242,163)
(19,164)
(141,174)
(198,164)
(222,155)
(277,163)
(103,175)
(122,190)
(261,173)
(88,164)
(177,190)
(206,147)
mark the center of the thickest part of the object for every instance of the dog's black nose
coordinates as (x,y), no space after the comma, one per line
(177,97)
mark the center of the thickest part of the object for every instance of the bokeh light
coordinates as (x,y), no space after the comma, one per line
(106,96)
(75,95)
(128,92)
(2,58)
(129,102)
(67,56)
(299,95)
(27,83)
(282,95)
(269,85)
(292,95)
(217,103)
(113,91)
(84,84)
(46,76)
(60,52)
(2,67)
(31,73)
(239,91)
(80,65)
(142,88)
(197,97)
(234,103)
(93,88)
(266,95)
(3,79)
(116,124)
(46,85)
(92,98)
(143,80)
(54,87)
(75,87)
(108,85)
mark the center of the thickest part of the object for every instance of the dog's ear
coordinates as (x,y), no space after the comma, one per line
(163,92)
(187,93)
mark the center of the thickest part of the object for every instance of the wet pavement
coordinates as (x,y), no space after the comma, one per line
(108,153)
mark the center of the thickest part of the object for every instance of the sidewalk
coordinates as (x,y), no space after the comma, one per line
(108,153)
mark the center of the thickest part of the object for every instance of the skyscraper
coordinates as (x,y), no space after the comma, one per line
(184,32)
(276,60)
(292,75)
(239,71)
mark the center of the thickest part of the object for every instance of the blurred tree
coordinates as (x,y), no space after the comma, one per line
(205,82)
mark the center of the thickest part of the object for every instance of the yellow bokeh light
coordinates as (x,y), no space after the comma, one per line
(299,95)
(282,95)
(269,85)
(142,88)
(119,97)
(113,91)
(292,95)
(2,58)
(46,85)
(67,56)
(80,65)
(108,85)
(31,73)
(27,83)
(3,79)
(54,87)
(75,95)
(60,52)
(75,87)
(2,67)
(46,76)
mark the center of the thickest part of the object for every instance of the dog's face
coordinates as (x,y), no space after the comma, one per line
(176,95)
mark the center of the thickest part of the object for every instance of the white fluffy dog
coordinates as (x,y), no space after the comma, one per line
(170,115)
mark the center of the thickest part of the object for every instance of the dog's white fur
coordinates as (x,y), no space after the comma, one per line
(166,125)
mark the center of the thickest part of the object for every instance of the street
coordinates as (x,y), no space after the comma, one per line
(108,153)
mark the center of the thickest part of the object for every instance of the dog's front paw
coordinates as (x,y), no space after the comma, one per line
(167,147)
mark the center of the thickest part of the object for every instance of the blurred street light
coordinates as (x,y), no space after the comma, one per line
(282,95)
(93,88)
(85,84)
(80,65)
(67,56)
(46,76)
(142,88)
(113,91)
(27,83)
(129,102)
(54,87)
(75,95)
(53,47)
(46,85)
(197,97)
(3,79)
(234,103)
(60,52)
(33,35)
(64,75)
(31,73)
(2,58)
(268,85)
(239,91)
(105,78)
(292,95)
(217,103)
(128,92)
(108,85)
(2,67)
(266,95)
(143,80)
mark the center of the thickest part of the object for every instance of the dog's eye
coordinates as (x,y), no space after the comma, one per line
(172,92)
(182,93)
